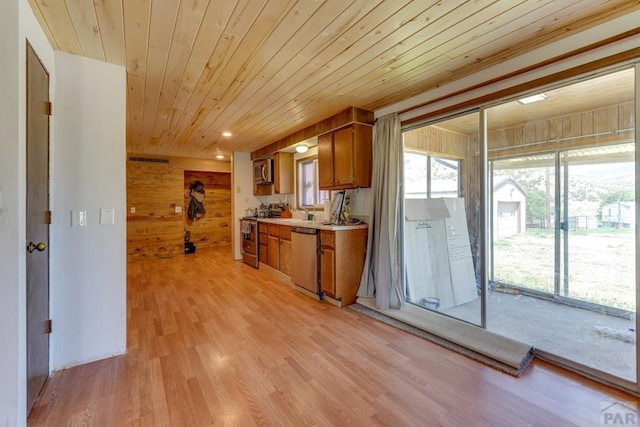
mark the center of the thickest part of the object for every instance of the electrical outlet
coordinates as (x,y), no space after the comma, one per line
(107,216)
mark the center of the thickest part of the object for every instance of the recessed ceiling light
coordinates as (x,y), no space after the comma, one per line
(302,148)
(227,134)
(532,99)
(219,156)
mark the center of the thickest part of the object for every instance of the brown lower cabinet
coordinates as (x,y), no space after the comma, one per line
(285,249)
(342,256)
(263,240)
(275,246)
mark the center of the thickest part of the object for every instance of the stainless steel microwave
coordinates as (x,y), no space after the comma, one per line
(262,171)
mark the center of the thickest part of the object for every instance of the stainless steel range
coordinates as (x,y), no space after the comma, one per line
(249,232)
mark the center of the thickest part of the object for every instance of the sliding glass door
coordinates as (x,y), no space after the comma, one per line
(563,277)
(563,245)
(597,228)
(522,222)
(558,245)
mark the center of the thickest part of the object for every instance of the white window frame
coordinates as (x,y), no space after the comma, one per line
(318,195)
(428,158)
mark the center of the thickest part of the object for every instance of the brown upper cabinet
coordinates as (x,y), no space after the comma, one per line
(283,173)
(344,157)
(282,176)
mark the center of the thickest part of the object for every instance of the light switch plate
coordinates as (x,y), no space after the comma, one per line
(78,218)
(132,210)
(107,216)
(178,209)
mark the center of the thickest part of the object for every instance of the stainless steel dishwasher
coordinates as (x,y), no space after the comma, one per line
(304,258)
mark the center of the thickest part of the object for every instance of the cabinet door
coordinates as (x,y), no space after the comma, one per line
(262,189)
(327,271)
(285,257)
(264,252)
(283,173)
(263,239)
(273,252)
(325,161)
(343,157)
(362,155)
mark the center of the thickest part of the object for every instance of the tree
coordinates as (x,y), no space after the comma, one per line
(536,205)
(613,196)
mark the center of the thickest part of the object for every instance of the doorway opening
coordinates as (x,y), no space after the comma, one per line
(211,228)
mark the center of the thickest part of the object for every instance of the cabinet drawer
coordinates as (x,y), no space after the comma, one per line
(264,238)
(285,232)
(327,238)
(274,230)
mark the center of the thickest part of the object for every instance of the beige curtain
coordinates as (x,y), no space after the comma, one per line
(381,276)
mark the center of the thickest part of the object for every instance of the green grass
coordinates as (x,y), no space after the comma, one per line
(601,264)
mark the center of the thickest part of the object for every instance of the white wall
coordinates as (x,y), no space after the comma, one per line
(242,179)
(88,276)
(10,283)
(360,203)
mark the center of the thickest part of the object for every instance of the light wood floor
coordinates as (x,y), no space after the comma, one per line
(214,341)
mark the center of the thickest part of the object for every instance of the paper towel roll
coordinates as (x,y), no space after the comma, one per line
(327,210)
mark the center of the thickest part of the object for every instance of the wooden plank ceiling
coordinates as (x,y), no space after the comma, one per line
(262,69)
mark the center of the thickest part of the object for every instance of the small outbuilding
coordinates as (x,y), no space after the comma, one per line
(509,208)
(619,214)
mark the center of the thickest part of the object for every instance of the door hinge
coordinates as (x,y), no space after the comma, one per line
(48,108)
(47,217)
(48,326)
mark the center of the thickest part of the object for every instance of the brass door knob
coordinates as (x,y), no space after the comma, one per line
(32,247)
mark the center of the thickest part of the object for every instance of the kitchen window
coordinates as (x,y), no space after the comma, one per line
(309,194)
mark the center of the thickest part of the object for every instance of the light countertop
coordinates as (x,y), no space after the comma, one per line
(294,222)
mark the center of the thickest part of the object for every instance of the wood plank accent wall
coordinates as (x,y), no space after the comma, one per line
(437,141)
(603,126)
(155,229)
(214,227)
(471,191)
(155,189)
